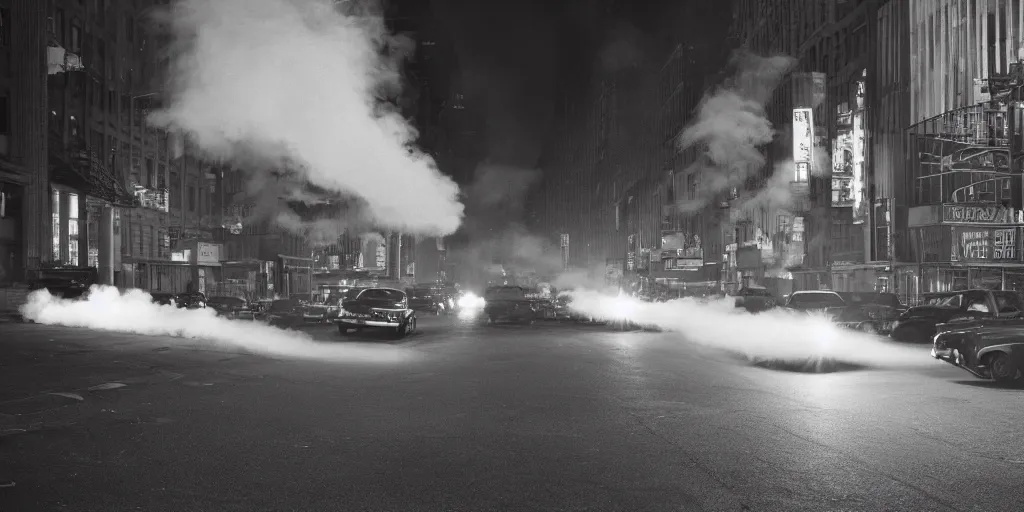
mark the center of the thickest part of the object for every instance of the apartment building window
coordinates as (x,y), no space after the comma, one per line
(5,27)
(129,27)
(76,38)
(74,128)
(112,158)
(112,102)
(5,126)
(150,173)
(191,198)
(55,224)
(96,141)
(57,25)
(98,11)
(161,180)
(175,186)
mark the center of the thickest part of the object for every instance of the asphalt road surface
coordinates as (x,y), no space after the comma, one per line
(479,418)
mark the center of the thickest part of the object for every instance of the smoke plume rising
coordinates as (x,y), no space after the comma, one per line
(774,335)
(305,87)
(731,126)
(134,312)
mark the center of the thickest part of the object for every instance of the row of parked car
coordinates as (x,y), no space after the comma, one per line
(978,330)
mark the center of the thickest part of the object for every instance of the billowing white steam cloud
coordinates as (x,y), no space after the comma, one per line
(134,312)
(300,85)
(731,126)
(773,335)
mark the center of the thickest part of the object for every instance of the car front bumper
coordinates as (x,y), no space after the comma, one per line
(366,322)
(955,358)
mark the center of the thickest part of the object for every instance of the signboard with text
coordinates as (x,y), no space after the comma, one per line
(803,136)
(971,244)
(207,254)
(979,214)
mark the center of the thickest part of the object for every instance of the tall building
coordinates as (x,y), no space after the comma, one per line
(128,199)
(962,223)
(24,184)
(826,236)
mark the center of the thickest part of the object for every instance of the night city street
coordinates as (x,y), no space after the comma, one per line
(543,417)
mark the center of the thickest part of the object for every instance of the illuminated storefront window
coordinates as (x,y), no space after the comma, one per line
(73,229)
(55,208)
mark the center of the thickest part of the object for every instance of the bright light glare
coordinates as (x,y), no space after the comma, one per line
(471,300)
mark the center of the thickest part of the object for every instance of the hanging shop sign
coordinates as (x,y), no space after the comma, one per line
(980,214)
(985,244)
(208,254)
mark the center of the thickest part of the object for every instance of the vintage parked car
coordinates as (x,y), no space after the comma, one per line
(509,303)
(871,312)
(429,299)
(190,300)
(755,299)
(64,282)
(919,323)
(320,312)
(376,308)
(231,307)
(283,313)
(814,301)
(988,340)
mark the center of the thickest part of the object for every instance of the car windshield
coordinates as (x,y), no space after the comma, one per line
(381,294)
(505,292)
(353,293)
(227,301)
(873,298)
(420,293)
(827,299)
(946,301)
(755,292)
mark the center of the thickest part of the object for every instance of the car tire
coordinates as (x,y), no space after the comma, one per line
(1002,369)
(399,332)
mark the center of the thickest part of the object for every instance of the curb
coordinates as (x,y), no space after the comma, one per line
(11,317)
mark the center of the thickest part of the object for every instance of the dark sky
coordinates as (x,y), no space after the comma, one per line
(507,49)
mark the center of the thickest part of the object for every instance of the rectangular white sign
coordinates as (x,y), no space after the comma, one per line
(803,135)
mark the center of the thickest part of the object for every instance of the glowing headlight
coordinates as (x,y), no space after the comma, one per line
(471,301)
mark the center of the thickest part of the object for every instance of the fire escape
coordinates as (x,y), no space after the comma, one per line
(73,161)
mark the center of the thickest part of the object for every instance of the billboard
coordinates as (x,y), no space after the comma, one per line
(977,244)
(803,143)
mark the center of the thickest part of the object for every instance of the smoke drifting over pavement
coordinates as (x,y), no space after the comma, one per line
(731,126)
(302,86)
(774,335)
(134,312)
